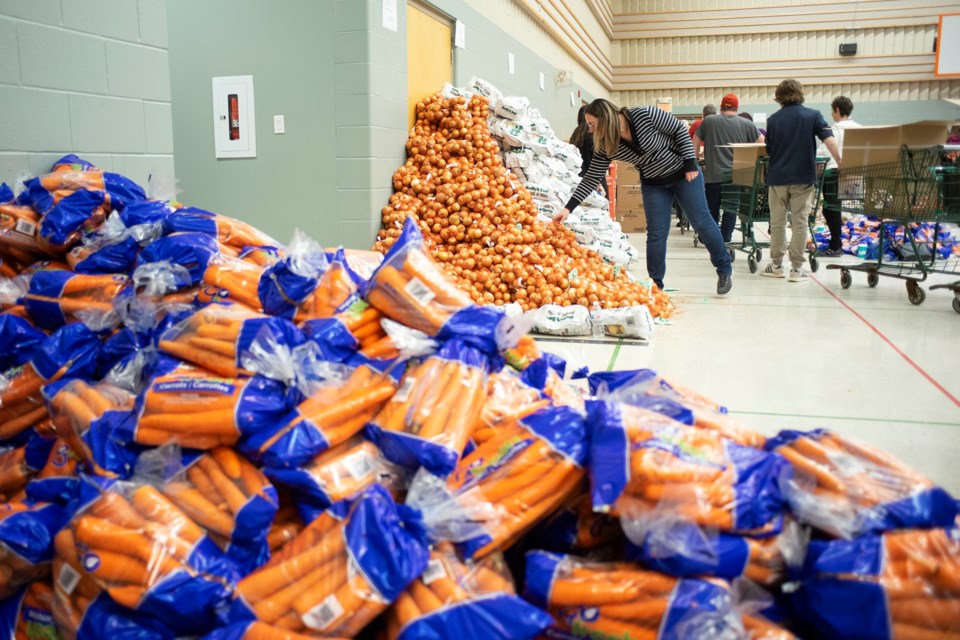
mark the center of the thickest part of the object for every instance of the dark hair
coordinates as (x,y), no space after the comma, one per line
(744,114)
(581,133)
(789,92)
(843,105)
(709,110)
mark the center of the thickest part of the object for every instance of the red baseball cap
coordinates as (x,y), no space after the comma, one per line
(730,101)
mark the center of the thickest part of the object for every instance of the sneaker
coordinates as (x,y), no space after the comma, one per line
(724,284)
(798,275)
(829,253)
(773,271)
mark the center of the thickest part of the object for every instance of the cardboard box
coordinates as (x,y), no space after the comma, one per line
(628,174)
(633,221)
(864,146)
(629,198)
(745,156)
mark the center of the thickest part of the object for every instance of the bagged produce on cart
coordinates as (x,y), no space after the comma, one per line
(28,614)
(226,230)
(338,407)
(504,487)
(18,341)
(646,388)
(849,489)
(410,287)
(428,421)
(902,585)
(19,464)
(58,297)
(134,543)
(202,410)
(71,174)
(341,571)
(58,478)
(620,600)
(470,600)
(575,527)
(287,524)
(19,226)
(114,246)
(26,543)
(645,464)
(685,550)
(71,351)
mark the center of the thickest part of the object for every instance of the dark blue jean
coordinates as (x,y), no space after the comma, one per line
(657,200)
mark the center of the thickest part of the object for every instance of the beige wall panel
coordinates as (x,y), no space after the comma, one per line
(589,64)
(869,92)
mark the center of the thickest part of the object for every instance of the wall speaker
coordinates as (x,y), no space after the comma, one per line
(848,49)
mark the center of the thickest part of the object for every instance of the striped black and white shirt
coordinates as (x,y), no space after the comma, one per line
(661,150)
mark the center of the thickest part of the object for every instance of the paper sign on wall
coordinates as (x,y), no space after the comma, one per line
(542,82)
(390,14)
(759,119)
(510,64)
(460,36)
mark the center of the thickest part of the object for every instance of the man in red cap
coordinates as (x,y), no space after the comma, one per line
(717,132)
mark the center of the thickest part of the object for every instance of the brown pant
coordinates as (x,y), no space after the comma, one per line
(798,198)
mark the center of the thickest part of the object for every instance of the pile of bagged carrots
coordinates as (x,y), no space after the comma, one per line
(205,434)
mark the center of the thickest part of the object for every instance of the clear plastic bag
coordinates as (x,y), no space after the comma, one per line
(849,489)
(58,297)
(472,600)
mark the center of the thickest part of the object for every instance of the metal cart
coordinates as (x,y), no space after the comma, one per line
(917,188)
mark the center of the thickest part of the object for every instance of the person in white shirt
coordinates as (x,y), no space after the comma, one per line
(841,107)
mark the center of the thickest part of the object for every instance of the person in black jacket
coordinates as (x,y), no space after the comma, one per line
(658,145)
(582,139)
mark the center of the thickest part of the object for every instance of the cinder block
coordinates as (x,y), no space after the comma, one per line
(153,22)
(135,71)
(45,11)
(365,173)
(351,46)
(110,125)
(362,204)
(386,82)
(57,59)
(9,53)
(111,18)
(158,127)
(370,142)
(152,172)
(357,234)
(359,15)
(36,120)
(353,78)
(385,49)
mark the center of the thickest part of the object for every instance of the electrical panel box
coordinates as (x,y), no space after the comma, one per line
(234,119)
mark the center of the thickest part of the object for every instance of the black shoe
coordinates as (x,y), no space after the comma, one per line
(829,253)
(724,284)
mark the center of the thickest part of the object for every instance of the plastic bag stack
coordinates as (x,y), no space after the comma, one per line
(206,435)
(549,168)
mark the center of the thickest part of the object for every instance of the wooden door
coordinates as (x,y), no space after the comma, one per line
(429,58)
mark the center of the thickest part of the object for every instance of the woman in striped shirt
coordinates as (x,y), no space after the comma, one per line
(659,146)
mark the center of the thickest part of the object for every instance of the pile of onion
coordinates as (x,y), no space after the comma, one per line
(481,223)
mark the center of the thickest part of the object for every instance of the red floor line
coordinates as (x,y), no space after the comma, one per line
(895,348)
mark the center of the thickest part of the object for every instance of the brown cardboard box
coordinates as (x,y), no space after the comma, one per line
(629,198)
(864,146)
(745,157)
(633,221)
(627,173)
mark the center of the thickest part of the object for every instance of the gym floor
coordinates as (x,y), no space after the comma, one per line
(863,362)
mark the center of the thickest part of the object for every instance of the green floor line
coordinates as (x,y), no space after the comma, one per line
(613,358)
(857,418)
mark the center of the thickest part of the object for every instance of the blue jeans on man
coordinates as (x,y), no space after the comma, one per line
(657,203)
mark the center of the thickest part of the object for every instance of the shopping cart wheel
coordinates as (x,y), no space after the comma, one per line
(873,278)
(752,263)
(845,278)
(759,255)
(956,304)
(814,264)
(732,253)
(915,292)
(696,240)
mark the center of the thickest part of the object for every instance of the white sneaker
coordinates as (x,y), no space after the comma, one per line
(773,271)
(798,275)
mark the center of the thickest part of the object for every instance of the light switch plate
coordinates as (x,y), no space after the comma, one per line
(278,126)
